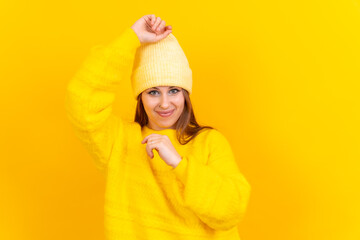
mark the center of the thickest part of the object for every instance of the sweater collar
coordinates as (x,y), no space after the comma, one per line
(168,131)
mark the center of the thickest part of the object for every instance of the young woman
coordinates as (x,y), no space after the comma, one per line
(167,177)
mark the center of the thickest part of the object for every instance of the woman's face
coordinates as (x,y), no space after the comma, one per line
(163,99)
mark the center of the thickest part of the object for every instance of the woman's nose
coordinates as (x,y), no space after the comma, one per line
(164,102)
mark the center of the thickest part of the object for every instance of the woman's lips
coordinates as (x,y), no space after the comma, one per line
(166,114)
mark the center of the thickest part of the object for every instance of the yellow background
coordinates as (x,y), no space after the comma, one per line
(279,78)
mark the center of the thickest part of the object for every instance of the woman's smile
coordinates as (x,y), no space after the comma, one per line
(165,113)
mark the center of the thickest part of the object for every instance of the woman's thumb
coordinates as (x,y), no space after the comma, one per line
(164,34)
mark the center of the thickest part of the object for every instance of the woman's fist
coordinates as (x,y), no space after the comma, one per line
(151,29)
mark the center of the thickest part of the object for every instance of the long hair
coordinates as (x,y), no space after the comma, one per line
(187,127)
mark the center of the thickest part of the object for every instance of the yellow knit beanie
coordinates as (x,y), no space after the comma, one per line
(162,63)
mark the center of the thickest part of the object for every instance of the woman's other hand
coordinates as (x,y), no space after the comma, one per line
(151,29)
(163,145)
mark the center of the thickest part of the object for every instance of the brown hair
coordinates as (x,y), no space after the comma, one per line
(187,127)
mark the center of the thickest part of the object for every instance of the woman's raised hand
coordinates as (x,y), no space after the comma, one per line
(151,29)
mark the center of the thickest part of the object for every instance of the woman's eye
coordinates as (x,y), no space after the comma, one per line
(172,90)
(152,91)
(176,90)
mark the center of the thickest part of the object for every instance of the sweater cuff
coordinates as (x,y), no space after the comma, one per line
(127,43)
(133,40)
(180,170)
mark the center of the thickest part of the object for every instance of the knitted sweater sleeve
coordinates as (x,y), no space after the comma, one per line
(216,192)
(91,93)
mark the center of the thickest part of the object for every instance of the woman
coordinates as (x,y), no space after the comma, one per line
(190,187)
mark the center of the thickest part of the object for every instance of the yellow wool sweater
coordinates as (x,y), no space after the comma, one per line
(204,197)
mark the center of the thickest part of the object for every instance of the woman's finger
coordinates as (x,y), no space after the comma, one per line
(156,24)
(152,144)
(163,35)
(149,151)
(152,19)
(146,138)
(151,136)
(148,23)
(161,26)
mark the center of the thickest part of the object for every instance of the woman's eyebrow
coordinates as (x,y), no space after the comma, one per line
(158,88)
